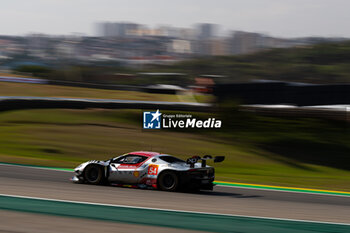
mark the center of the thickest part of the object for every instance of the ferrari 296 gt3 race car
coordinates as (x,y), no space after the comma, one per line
(149,169)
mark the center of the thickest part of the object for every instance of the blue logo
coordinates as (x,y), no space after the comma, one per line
(152,120)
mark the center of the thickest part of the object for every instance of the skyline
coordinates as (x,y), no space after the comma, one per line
(292,18)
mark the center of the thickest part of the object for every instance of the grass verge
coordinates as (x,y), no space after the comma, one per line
(42,90)
(65,138)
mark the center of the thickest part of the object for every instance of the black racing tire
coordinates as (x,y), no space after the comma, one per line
(93,174)
(168,181)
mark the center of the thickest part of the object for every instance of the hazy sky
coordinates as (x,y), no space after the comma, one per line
(286,18)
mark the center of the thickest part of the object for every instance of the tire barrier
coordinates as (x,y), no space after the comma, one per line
(299,94)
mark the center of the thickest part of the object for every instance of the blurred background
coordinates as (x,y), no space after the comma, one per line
(277,75)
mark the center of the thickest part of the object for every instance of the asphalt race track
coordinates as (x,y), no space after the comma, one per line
(18,222)
(42,183)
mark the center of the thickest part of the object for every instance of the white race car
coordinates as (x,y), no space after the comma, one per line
(149,169)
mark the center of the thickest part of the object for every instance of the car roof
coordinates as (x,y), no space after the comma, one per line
(145,153)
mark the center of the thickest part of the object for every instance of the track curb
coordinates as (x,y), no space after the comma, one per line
(166,218)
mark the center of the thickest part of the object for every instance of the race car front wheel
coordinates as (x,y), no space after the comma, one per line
(93,174)
(168,181)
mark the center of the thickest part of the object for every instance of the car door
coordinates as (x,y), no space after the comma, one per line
(124,169)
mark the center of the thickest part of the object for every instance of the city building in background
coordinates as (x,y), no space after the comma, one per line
(206,31)
(133,44)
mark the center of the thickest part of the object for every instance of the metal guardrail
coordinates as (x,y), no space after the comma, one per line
(95,85)
(28,102)
(340,112)
(22,80)
(149,89)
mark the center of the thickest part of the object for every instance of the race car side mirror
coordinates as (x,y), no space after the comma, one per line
(219,159)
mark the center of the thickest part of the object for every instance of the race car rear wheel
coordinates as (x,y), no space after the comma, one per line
(93,174)
(168,181)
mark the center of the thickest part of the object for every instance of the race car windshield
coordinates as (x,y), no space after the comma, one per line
(129,159)
(171,159)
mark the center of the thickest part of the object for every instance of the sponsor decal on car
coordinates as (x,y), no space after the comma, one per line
(136,173)
(126,166)
(153,169)
(150,181)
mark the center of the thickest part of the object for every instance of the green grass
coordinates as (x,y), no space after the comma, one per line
(64,138)
(41,90)
(24,89)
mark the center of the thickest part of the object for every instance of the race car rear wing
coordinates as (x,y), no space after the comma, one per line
(195,159)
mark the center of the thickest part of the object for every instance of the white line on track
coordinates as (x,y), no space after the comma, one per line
(28,166)
(172,210)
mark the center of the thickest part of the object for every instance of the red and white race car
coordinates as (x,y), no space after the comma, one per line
(149,169)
